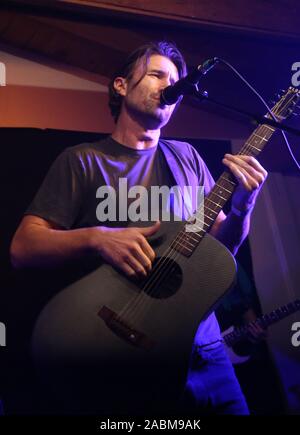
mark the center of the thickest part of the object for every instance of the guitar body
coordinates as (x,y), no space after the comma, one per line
(91,366)
(104,345)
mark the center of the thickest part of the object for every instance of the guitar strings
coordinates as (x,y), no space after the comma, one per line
(160,267)
(154,279)
(174,254)
(156,274)
(166,257)
(262,129)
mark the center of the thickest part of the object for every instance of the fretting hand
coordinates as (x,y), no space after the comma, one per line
(250,175)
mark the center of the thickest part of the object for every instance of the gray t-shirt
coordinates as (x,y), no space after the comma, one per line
(71,194)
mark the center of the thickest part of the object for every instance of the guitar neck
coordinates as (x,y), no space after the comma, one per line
(187,241)
(239,334)
(226,184)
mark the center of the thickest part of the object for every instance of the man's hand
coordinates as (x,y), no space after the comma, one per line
(250,175)
(256,333)
(126,248)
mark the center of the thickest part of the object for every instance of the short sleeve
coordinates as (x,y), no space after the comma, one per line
(204,175)
(61,194)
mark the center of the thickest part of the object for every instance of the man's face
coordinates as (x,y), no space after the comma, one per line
(143,100)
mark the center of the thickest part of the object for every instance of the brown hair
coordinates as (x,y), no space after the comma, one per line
(164,48)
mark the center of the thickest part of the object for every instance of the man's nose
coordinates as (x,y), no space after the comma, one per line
(166,81)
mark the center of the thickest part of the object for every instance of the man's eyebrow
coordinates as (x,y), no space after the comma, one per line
(162,72)
(157,70)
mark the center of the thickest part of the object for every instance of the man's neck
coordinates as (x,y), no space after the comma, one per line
(130,133)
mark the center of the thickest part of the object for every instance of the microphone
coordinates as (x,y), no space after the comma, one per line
(171,94)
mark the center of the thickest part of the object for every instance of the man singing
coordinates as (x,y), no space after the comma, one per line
(61,224)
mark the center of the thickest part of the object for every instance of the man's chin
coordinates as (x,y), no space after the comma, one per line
(153,118)
(154,123)
(157,117)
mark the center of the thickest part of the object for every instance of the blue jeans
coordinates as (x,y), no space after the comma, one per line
(212,387)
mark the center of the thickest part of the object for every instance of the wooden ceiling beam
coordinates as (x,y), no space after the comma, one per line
(27,33)
(279,19)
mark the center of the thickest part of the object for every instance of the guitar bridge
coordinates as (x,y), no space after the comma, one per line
(121,328)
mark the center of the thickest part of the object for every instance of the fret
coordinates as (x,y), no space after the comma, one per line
(279,312)
(195,220)
(189,234)
(292,307)
(252,146)
(213,217)
(284,310)
(210,200)
(267,319)
(201,222)
(211,210)
(269,127)
(185,240)
(209,217)
(219,196)
(226,184)
(260,137)
(229,181)
(178,244)
(222,187)
(198,228)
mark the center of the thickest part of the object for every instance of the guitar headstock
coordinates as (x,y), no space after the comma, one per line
(287,104)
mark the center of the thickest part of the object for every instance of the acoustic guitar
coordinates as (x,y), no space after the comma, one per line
(108,344)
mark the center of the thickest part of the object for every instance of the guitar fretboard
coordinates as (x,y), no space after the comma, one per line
(187,241)
(266,320)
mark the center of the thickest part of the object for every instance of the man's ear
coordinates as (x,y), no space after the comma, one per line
(120,86)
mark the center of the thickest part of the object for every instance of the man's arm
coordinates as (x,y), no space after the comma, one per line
(40,243)
(231,230)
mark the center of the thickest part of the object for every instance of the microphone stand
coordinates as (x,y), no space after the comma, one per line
(257,119)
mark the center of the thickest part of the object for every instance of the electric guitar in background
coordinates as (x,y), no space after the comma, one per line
(126,345)
(233,336)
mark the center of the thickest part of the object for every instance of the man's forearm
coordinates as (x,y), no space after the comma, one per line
(233,230)
(43,247)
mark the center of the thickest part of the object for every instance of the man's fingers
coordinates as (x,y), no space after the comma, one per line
(149,231)
(251,161)
(147,249)
(136,266)
(250,164)
(128,270)
(242,176)
(142,257)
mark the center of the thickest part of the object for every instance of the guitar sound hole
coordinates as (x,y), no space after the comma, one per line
(165,280)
